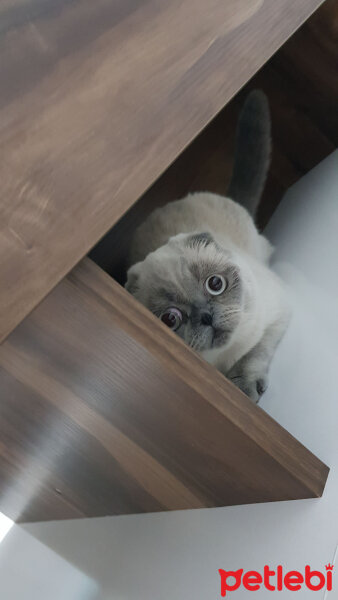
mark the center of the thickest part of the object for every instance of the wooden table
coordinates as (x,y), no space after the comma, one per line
(97,99)
(103,410)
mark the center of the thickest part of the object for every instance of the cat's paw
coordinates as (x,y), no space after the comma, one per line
(253,386)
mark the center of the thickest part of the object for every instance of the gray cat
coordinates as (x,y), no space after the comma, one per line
(202,267)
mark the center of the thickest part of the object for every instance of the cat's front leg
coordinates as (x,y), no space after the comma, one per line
(252,382)
(250,373)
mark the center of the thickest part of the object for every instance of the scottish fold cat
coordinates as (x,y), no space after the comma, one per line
(202,267)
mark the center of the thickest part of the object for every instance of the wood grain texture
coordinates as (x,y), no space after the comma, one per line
(105,411)
(98,98)
(301,83)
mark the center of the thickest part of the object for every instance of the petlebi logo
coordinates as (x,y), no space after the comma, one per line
(276,579)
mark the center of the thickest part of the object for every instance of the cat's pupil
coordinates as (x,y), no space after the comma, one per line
(172,317)
(169,319)
(215,283)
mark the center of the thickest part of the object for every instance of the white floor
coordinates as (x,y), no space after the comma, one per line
(177,555)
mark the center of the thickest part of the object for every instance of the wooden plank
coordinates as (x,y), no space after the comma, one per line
(105,411)
(98,98)
(303,103)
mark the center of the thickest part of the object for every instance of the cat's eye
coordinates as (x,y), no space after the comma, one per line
(172,317)
(216,284)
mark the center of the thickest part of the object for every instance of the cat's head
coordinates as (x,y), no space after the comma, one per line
(194,287)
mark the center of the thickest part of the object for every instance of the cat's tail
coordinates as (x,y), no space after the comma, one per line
(252,153)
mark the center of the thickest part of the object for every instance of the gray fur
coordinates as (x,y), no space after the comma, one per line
(181,245)
(250,373)
(198,239)
(252,154)
(176,278)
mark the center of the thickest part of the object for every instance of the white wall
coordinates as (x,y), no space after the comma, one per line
(31,571)
(177,555)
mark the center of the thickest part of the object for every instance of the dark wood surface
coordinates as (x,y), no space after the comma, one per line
(301,83)
(97,99)
(105,411)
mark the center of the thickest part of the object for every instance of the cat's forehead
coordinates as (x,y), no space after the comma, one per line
(178,274)
(202,261)
(176,283)
(194,256)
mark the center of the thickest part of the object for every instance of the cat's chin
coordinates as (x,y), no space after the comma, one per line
(215,340)
(219,339)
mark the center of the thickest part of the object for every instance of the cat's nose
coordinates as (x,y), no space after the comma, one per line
(206,318)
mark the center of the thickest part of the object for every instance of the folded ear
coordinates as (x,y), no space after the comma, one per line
(133,276)
(200,239)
